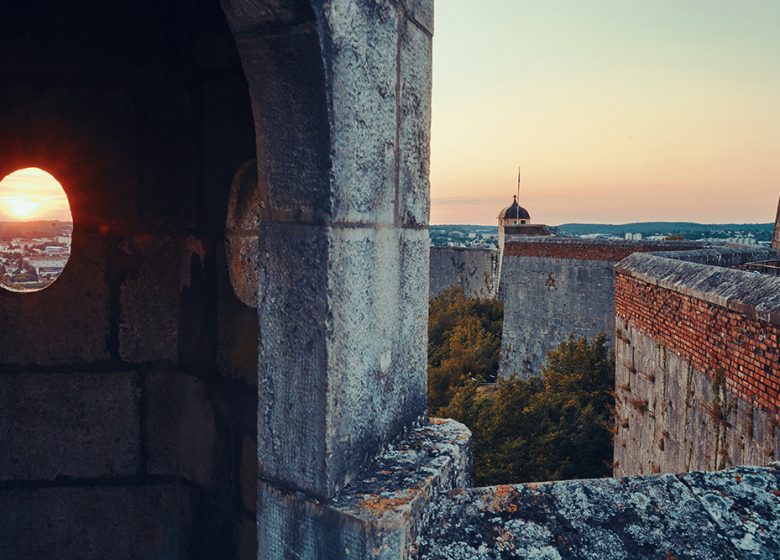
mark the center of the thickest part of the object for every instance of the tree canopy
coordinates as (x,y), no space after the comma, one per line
(552,427)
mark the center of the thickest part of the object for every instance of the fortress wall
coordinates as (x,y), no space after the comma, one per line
(556,286)
(474,270)
(697,366)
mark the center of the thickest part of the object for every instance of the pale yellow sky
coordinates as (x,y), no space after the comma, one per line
(32,194)
(617,110)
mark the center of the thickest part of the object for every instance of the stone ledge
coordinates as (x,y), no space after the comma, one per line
(724,515)
(377,516)
(748,293)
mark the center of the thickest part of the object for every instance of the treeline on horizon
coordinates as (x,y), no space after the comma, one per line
(555,426)
(36,228)
(761,231)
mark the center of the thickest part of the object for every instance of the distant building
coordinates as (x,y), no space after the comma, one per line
(633,236)
(515,220)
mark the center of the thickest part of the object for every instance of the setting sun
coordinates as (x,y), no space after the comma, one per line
(21,207)
(32,194)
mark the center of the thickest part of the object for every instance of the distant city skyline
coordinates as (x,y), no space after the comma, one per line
(617,111)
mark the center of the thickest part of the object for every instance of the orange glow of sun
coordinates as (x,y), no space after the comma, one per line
(21,207)
(32,194)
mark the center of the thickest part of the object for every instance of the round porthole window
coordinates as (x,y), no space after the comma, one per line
(36,228)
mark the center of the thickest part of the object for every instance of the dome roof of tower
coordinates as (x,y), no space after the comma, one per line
(514,212)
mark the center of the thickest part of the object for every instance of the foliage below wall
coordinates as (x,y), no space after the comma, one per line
(557,426)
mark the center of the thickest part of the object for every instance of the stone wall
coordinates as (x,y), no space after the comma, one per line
(128,387)
(552,287)
(697,364)
(473,270)
(727,515)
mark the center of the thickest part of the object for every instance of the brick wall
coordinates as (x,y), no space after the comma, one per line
(583,250)
(711,338)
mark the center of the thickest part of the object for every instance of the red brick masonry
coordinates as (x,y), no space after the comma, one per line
(708,336)
(586,251)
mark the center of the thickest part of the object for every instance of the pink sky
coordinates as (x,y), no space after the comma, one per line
(617,111)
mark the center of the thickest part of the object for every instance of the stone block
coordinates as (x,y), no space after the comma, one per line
(150,297)
(96,523)
(77,425)
(414,126)
(362,79)
(68,322)
(380,514)
(182,433)
(376,369)
(287,87)
(292,379)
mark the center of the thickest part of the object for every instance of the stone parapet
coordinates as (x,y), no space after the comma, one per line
(589,249)
(377,516)
(730,515)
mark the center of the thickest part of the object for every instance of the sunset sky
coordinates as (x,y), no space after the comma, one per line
(617,110)
(32,194)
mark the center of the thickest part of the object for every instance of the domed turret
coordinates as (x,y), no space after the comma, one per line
(514,214)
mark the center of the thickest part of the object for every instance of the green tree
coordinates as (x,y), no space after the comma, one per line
(552,427)
(464,342)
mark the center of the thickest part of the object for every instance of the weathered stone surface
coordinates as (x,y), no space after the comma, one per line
(78,425)
(237,334)
(68,322)
(414,126)
(362,81)
(150,297)
(756,295)
(473,270)
(377,516)
(552,287)
(697,516)
(547,299)
(245,208)
(745,505)
(292,382)
(96,523)
(670,419)
(421,12)
(372,392)
(181,431)
(287,85)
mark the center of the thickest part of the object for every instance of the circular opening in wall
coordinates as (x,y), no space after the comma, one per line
(35,230)
(242,244)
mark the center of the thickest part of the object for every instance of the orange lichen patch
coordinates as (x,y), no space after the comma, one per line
(738,478)
(383,504)
(437,421)
(385,472)
(505,540)
(502,499)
